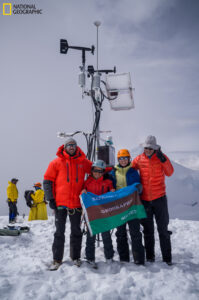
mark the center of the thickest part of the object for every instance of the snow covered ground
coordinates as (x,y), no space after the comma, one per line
(24,274)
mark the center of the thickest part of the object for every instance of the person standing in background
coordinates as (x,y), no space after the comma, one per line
(38,210)
(12,196)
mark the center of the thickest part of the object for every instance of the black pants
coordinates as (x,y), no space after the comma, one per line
(136,242)
(75,236)
(159,209)
(90,246)
(12,210)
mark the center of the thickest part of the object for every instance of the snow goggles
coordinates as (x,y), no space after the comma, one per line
(123,158)
(98,171)
(148,148)
(71,145)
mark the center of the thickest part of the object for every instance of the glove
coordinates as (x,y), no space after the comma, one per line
(139,188)
(160,155)
(52,204)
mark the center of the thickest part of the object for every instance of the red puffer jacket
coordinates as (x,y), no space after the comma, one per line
(152,173)
(98,186)
(67,174)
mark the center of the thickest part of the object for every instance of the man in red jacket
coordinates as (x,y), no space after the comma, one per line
(153,165)
(63,182)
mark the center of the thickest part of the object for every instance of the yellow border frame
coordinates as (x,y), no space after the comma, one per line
(4,13)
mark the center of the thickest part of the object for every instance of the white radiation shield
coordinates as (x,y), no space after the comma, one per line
(119,91)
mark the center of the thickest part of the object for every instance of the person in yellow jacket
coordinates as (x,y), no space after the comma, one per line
(38,211)
(12,194)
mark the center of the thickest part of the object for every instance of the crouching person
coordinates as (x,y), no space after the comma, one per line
(98,183)
(63,182)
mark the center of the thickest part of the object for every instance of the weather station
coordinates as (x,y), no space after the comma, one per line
(117,89)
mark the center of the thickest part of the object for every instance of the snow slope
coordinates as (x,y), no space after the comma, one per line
(189,159)
(183,193)
(24,273)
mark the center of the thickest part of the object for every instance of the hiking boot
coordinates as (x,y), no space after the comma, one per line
(151,260)
(109,261)
(92,263)
(77,262)
(123,261)
(169,262)
(138,263)
(55,265)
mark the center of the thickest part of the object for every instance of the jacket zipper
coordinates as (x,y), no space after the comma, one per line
(76,173)
(67,172)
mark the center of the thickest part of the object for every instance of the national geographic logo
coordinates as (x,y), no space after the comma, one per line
(20,9)
(7,9)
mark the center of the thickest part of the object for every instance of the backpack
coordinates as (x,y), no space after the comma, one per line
(27,196)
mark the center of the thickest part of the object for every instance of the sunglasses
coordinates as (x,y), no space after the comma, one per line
(97,171)
(123,158)
(147,148)
(71,145)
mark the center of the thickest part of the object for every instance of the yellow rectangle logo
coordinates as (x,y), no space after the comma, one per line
(7,6)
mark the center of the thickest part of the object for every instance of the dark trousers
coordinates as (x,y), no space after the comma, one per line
(12,210)
(75,236)
(136,242)
(90,246)
(159,209)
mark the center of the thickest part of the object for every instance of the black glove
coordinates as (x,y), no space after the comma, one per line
(160,155)
(52,204)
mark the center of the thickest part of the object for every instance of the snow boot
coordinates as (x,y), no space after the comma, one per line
(109,261)
(92,263)
(55,265)
(77,262)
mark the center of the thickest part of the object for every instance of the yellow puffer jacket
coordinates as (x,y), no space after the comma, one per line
(38,211)
(12,192)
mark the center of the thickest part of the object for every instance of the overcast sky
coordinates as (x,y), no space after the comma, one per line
(155,40)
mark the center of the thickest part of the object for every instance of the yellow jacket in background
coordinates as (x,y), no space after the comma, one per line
(12,191)
(38,211)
